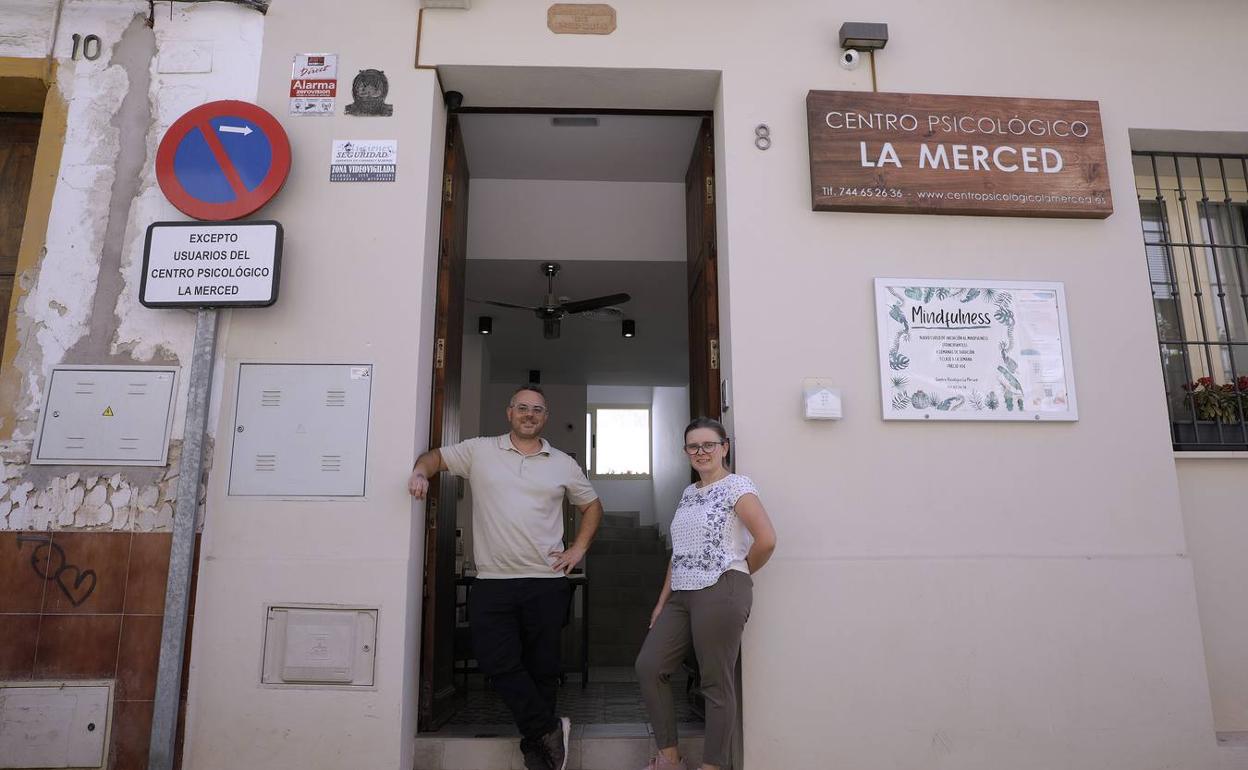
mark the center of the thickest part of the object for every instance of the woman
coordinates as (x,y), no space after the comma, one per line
(720,536)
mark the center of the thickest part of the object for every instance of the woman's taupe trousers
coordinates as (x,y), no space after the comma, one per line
(711,619)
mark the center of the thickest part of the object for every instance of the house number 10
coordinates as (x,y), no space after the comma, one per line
(89,46)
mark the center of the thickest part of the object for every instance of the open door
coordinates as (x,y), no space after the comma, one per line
(704,398)
(437,686)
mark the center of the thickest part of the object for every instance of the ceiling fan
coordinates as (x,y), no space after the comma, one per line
(554,308)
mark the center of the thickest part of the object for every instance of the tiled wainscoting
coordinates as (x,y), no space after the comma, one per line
(88,605)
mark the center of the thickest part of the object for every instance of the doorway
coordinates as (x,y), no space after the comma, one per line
(569,210)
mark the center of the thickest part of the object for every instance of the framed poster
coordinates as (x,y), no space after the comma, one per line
(974,350)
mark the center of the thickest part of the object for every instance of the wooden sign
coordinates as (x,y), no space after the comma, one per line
(933,154)
(580,19)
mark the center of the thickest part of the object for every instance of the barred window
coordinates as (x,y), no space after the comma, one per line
(1194,210)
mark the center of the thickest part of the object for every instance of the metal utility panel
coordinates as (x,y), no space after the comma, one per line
(301,430)
(106,415)
(311,646)
(53,724)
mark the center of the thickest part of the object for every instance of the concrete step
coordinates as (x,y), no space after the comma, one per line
(594,747)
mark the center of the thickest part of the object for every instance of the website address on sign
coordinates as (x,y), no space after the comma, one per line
(931,195)
(1011,197)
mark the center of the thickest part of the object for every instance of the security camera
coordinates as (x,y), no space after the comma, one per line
(453,100)
(850,58)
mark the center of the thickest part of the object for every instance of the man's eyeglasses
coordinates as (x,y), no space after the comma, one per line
(705,446)
(526,409)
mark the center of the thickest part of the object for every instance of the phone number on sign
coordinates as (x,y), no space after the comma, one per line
(863,192)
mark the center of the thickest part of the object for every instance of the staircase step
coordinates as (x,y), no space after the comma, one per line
(621,519)
(627,533)
(593,747)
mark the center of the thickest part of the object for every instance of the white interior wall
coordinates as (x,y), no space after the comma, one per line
(670,465)
(565,221)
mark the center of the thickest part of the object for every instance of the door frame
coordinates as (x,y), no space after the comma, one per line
(429,642)
(29,86)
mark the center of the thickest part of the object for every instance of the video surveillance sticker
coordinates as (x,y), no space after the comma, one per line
(364,160)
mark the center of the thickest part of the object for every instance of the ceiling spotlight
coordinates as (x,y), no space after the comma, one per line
(485,324)
(628,328)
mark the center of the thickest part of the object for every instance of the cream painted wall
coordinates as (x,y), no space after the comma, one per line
(1215,498)
(354,253)
(944,596)
(560,220)
(968,596)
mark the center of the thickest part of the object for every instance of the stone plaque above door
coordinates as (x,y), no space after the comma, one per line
(581,19)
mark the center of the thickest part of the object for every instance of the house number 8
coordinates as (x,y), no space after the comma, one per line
(89,46)
(762,136)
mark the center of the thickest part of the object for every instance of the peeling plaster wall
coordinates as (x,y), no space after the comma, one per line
(80,304)
(26,27)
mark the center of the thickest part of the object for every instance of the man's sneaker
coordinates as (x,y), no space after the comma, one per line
(660,762)
(555,744)
(534,755)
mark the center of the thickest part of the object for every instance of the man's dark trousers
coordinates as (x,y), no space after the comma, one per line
(516,627)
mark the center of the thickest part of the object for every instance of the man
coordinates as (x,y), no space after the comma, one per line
(521,596)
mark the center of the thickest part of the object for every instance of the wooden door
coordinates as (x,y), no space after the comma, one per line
(437,686)
(703,283)
(19,136)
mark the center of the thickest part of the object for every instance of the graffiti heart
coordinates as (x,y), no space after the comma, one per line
(49,562)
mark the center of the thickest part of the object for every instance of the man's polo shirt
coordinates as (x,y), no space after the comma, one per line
(517,503)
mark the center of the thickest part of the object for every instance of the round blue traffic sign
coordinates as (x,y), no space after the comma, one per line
(223,160)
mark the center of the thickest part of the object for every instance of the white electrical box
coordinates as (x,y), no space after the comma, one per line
(301,430)
(54,724)
(820,401)
(106,415)
(319,646)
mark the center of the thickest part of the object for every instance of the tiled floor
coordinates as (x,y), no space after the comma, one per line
(611,698)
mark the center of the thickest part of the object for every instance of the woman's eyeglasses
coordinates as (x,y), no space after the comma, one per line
(705,446)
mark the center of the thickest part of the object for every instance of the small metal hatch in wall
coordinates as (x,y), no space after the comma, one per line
(55,724)
(301,430)
(106,415)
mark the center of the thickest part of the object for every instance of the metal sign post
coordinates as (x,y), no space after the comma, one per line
(182,551)
(220,161)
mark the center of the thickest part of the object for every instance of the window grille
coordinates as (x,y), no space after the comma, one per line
(1194,209)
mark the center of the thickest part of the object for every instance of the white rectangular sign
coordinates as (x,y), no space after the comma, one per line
(195,264)
(364,160)
(974,350)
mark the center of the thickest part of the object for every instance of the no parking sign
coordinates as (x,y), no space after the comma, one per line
(222,160)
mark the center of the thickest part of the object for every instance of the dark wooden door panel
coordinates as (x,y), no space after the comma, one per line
(703,283)
(19,138)
(438,629)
